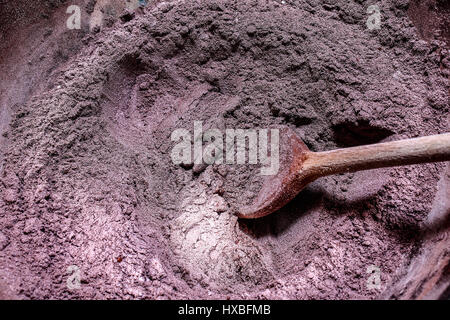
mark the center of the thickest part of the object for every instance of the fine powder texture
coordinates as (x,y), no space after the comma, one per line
(87,178)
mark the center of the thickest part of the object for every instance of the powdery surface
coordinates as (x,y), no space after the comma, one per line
(87,177)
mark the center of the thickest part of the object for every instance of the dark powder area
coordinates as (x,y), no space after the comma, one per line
(87,179)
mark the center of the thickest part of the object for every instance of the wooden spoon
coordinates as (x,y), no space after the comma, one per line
(302,166)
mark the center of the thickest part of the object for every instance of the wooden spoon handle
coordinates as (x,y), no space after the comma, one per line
(389,154)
